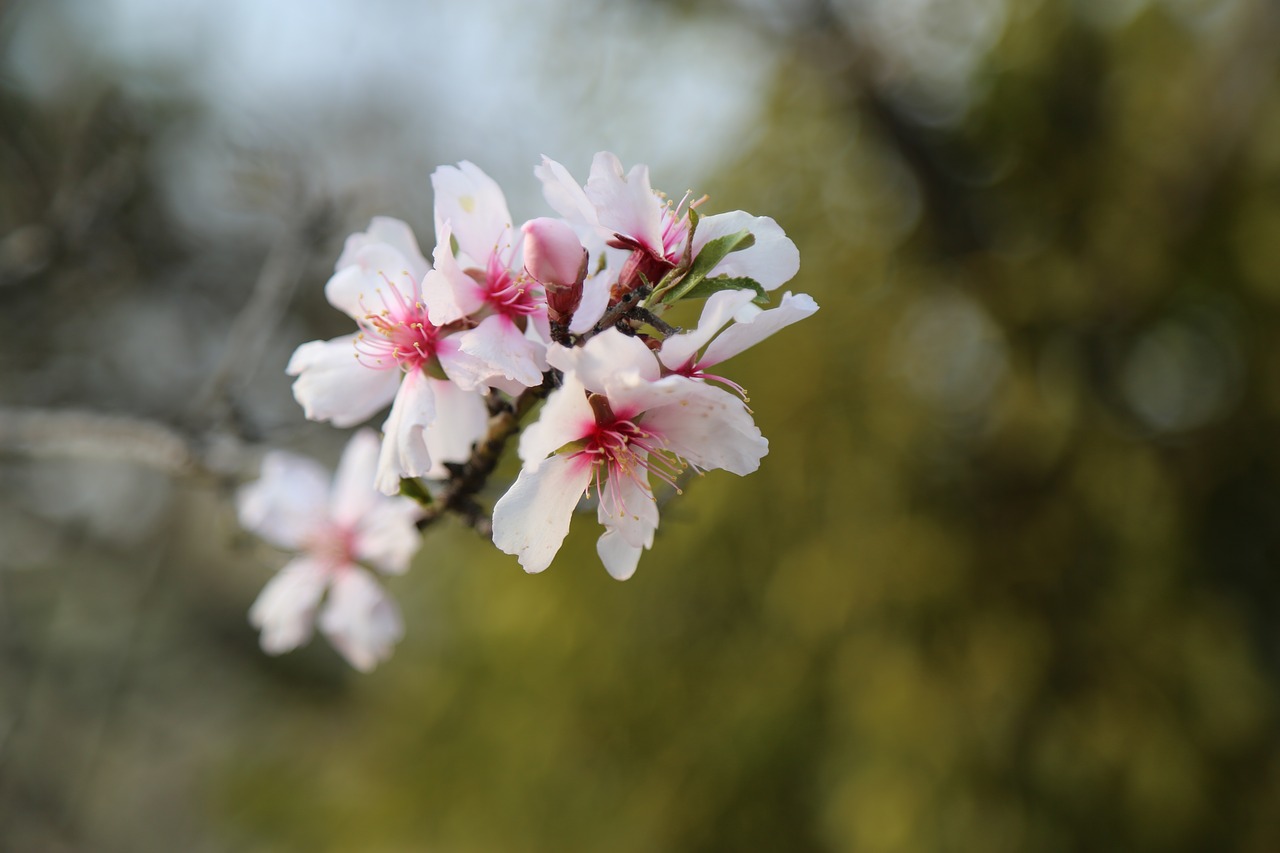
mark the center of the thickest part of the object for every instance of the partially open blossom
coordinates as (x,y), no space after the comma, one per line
(613,424)
(339,530)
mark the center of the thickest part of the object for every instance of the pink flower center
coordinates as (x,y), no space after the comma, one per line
(509,295)
(398,335)
(333,545)
(620,449)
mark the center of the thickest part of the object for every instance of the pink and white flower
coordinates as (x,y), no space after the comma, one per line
(505,311)
(625,210)
(613,423)
(397,357)
(338,528)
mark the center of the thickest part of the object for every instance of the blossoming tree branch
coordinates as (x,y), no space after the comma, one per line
(561,318)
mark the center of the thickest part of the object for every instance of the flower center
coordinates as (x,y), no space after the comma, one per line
(620,450)
(333,545)
(512,296)
(399,334)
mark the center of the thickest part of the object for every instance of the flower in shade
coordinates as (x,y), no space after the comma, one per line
(339,530)
(614,423)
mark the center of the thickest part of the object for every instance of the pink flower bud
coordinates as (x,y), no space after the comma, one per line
(554,257)
(552,253)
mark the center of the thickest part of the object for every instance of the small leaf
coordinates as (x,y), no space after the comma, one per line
(713,253)
(412,488)
(708,286)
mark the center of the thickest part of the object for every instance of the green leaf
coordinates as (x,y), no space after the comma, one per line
(412,488)
(712,253)
(708,286)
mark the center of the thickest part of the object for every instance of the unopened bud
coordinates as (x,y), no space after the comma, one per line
(554,257)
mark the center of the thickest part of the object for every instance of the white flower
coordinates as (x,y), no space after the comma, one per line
(338,530)
(613,423)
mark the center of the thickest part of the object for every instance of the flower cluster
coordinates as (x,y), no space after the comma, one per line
(569,310)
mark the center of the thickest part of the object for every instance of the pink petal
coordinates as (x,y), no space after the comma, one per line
(333,386)
(531,520)
(285,609)
(360,620)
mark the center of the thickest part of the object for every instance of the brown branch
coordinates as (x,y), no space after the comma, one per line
(459,496)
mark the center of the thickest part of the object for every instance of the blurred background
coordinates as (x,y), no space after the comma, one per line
(1007,580)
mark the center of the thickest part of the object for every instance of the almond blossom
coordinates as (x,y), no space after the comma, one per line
(623,208)
(398,356)
(478,286)
(337,529)
(613,423)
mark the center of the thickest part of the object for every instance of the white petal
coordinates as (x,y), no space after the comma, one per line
(564,194)
(704,424)
(605,358)
(627,204)
(772,261)
(360,620)
(386,536)
(565,417)
(404,451)
(504,350)
(449,292)
(477,209)
(394,233)
(354,288)
(462,419)
(288,502)
(619,557)
(531,520)
(747,333)
(628,507)
(333,386)
(353,491)
(678,350)
(285,609)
